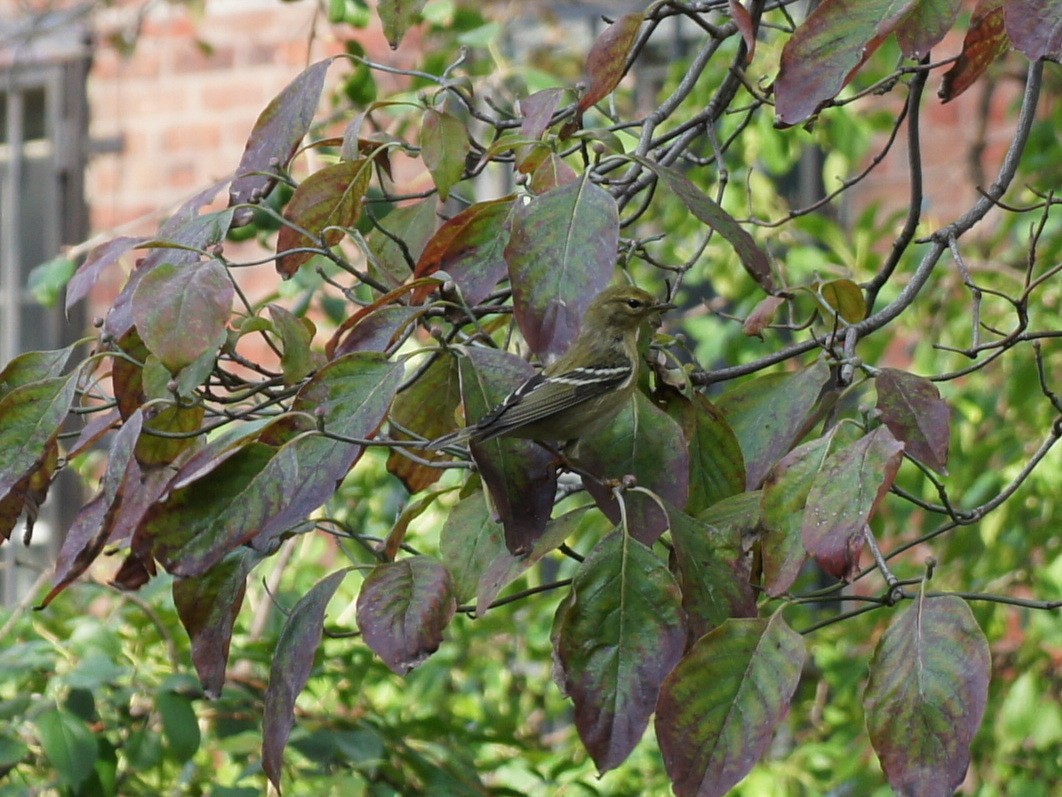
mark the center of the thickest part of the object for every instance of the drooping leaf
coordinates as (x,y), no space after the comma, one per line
(713,572)
(643,442)
(607,59)
(275,137)
(915,413)
(69,744)
(397,16)
(470,248)
(403,609)
(292,663)
(207,607)
(26,497)
(181,311)
(768,415)
(99,260)
(1035,27)
(33,366)
(325,203)
(721,705)
(443,148)
(618,638)
(831,43)
(784,494)
(746,25)
(296,335)
(845,298)
(518,474)
(710,212)
(717,468)
(561,254)
(926,25)
(986,41)
(762,316)
(847,490)
(926,695)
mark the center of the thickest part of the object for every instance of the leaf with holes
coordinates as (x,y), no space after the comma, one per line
(607,59)
(561,254)
(292,664)
(615,642)
(926,695)
(915,413)
(721,705)
(324,204)
(403,609)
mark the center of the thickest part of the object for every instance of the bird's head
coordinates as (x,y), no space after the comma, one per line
(623,307)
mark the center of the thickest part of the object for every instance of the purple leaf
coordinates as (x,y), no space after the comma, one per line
(916,415)
(537,111)
(99,260)
(403,609)
(1035,27)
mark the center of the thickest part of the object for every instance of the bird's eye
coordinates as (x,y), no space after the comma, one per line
(634,304)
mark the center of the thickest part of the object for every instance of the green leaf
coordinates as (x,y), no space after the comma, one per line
(181,311)
(325,203)
(926,25)
(290,670)
(470,542)
(48,280)
(845,298)
(397,16)
(403,608)
(721,705)
(616,640)
(607,59)
(296,334)
(561,254)
(769,413)
(443,147)
(156,450)
(69,744)
(413,225)
(717,468)
(12,751)
(926,695)
(180,727)
(847,490)
(913,410)
(30,418)
(33,366)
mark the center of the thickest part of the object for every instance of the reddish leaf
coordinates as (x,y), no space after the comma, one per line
(127,372)
(746,25)
(643,442)
(986,41)
(721,705)
(846,492)
(752,257)
(325,203)
(99,260)
(926,25)
(915,413)
(26,497)
(96,426)
(537,111)
(762,316)
(397,16)
(518,474)
(561,254)
(1035,27)
(833,41)
(443,148)
(470,247)
(403,608)
(208,607)
(768,414)
(606,62)
(181,311)
(617,639)
(292,663)
(926,695)
(275,137)
(350,336)
(717,468)
(553,172)
(30,418)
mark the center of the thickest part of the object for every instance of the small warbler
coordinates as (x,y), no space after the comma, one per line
(586,387)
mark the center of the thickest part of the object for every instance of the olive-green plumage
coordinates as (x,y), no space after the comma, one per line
(584,389)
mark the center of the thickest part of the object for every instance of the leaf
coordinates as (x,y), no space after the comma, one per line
(403,608)
(713,572)
(180,727)
(153,451)
(292,662)
(470,247)
(746,25)
(717,468)
(553,172)
(643,442)
(846,492)
(762,316)
(537,111)
(443,148)
(784,494)
(721,705)
(30,418)
(1035,27)
(397,16)
(470,542)
(916,415)
(33,366)
(835,39)
(275,137)
(207,607)
(181,311)
(69,744)
(296,335)
(617,639)
(768,414)
(606,62)
(375,326)
(412,225)
(926,695)
(710,212)
(518,474)
(561,254)
(845,298)
(325,203)
(926,26)
(99,260)
(986,41)
(47,280)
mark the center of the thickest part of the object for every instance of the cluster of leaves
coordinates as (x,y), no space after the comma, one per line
(227,430)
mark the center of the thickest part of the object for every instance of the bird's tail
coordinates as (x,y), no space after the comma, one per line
(457,437)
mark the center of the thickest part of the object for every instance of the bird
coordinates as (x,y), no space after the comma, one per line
(585,388)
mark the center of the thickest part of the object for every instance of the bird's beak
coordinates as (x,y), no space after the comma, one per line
(659,309)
